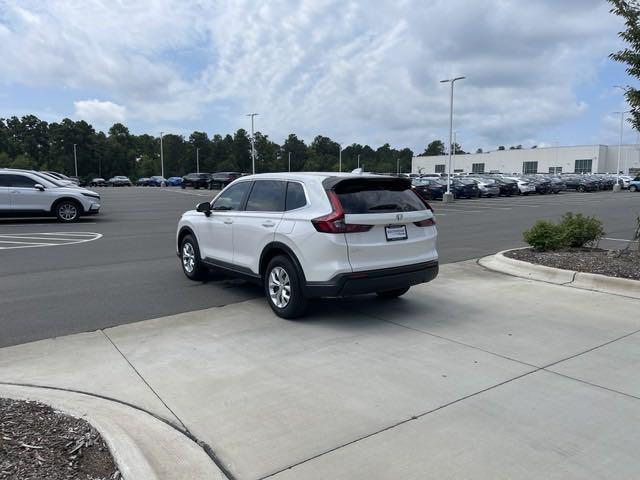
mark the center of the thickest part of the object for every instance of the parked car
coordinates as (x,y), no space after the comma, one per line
(488,187)
(541,184)
(353,234)
(157,181)
(507,187)
(98,182)
(557,185)
(174,181)
(581,183)
(62,177)
(634,185)
(429,188)
(222,179)
(142,182)
(196,180)
(462,189)
(525,187)
(119,181)
(29,193)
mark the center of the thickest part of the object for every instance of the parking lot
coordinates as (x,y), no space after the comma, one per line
(123,266)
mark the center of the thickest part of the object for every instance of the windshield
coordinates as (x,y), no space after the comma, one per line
(50,179)
(377,196)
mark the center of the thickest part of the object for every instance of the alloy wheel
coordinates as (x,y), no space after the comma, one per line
(188,257)
(68,211)
(279,287)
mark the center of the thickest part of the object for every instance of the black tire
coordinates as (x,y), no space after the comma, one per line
(194,270)
(388,294)
(296,305)
(581,188)
(633,188)
(67,211)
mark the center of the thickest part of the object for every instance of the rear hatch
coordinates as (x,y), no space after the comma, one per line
(387,223)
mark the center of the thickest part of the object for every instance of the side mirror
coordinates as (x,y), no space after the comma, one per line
(204,207)
(38,186)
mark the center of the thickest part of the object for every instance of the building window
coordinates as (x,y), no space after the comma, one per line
(458,170)
(555,169)
(529,167)
(477,168)
(583,166)
(440,168)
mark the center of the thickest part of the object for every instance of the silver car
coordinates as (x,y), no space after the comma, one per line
(29,193)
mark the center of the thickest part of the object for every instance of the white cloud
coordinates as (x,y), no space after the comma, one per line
(360,71)
(99,113)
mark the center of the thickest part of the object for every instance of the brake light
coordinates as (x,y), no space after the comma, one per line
(334,222)
(427,222)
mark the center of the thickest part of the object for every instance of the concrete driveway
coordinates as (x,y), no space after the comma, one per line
(476,375)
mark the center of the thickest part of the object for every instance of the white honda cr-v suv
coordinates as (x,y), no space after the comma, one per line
(306,235)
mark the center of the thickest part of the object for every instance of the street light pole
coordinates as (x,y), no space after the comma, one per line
(453,158)
(448,197)
(617,187)
(358,160)
(197,160)
(253,150)
(340,157)
(75,158)
(289,161)
(161,157)
(398,166)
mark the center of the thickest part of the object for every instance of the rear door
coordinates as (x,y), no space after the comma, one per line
(402,229)
(255,227)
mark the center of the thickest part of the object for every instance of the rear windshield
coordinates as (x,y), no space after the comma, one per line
(377,196)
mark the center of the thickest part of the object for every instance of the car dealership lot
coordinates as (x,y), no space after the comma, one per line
(131,273)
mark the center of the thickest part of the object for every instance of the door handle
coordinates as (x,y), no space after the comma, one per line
(228,221)
(268,223)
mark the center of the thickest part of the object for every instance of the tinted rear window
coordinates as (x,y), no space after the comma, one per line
(377,196)
(266,196)
(295,196)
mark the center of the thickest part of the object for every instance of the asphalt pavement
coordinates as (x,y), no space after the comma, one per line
(126,269)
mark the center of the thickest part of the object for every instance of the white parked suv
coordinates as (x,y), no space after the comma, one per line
(306,235)
(29,193)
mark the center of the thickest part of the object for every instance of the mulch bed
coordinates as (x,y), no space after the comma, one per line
(38,443)
(614,263)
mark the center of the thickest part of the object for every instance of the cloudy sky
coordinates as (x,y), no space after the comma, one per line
(358,71)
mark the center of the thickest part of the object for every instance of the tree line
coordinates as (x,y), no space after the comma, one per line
(31,143)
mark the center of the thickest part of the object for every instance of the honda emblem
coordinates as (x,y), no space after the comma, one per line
(399,217)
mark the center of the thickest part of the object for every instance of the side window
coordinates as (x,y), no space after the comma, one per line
(21,181)
(4,180)
(231,198)
(267,196)
(295,196)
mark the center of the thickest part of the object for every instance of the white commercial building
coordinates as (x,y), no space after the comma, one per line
(577,159)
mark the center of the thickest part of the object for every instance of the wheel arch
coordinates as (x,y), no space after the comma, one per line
(274,249)
(184,231)
(57,202)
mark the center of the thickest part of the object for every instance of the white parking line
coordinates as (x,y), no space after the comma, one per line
(62,238)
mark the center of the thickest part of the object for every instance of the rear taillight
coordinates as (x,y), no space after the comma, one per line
(334,222)
(428,222)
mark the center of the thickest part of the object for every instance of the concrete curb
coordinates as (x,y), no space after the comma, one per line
(142,446)
(586,281)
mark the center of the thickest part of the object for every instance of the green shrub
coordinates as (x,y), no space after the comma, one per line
(579,231)
(544,236)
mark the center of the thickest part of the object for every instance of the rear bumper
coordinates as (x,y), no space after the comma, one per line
(357,283)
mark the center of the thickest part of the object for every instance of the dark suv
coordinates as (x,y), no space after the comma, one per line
(222,179)
(196,180)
